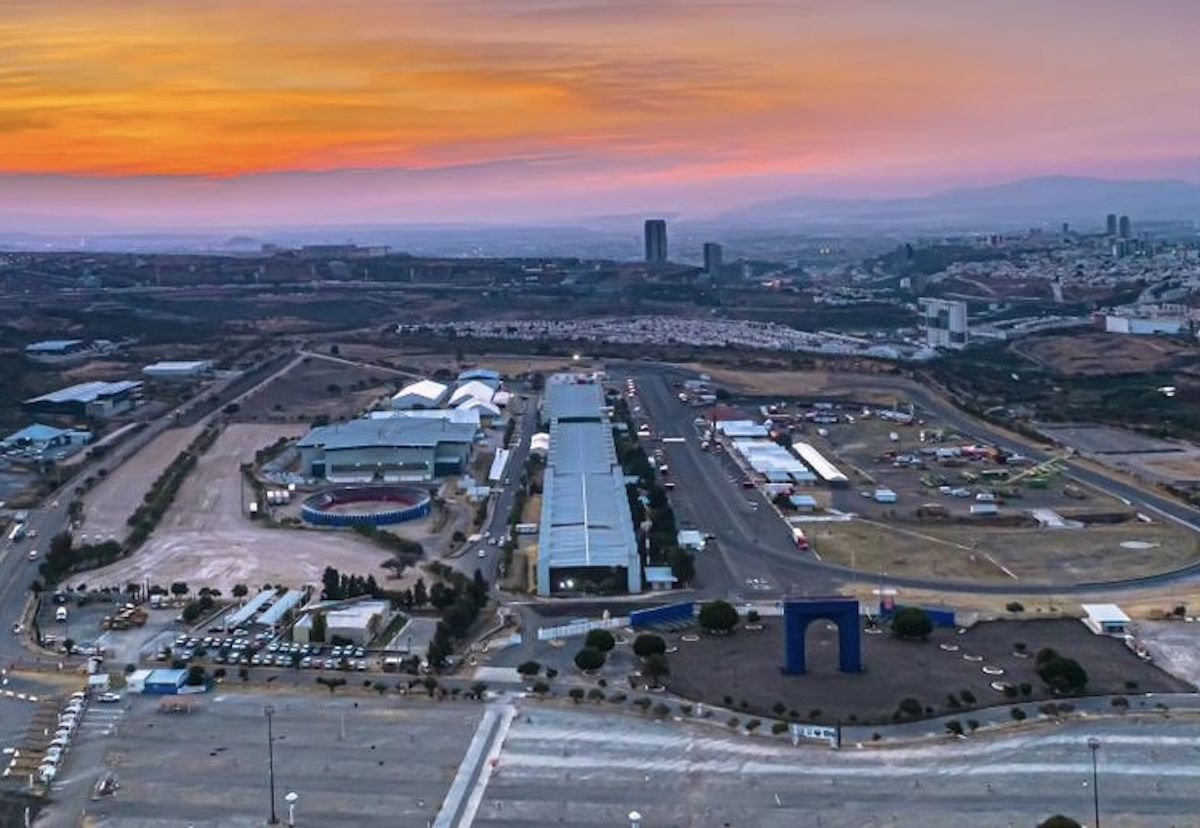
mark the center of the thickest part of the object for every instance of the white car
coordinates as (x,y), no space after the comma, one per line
(109,698)
(482,553)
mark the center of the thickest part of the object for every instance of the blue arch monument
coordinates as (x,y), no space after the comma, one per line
(798,614)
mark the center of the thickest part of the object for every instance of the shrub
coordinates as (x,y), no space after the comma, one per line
(1014,606)
(753,724)
(643,702)
(911,622)
(718,617)
(778,708)
(576,694)
(589,658)
(779,728)
(541,688)
(910,707)
(1059,821)
(952,702)
(955,728)
(661,711)
(733,722)
(595,695)
(1010,691)
(1120,702)
(601,640)
(529,668)
(1062,674)
(967,697)
(647,645)
(1018,714)
(973,724)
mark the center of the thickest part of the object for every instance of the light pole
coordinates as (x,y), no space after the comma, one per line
(1094,746)
(269,711)
(290,798)
(635,819)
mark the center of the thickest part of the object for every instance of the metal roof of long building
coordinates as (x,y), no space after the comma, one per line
(86,392)
(289,600)
(581,447)
(403,432)
(586,521)
(570,399)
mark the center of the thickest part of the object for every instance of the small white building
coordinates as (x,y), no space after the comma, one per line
(423,394)
(179,371)
(1106,619)
(357,621)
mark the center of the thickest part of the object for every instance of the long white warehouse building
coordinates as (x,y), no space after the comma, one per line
(820,466)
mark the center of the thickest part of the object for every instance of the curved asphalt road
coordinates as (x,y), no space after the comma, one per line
(754,544)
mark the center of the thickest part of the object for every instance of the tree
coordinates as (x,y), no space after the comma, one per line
(195,676)
(240,590)
(1059,821)
(718,617)
(648,644)
(1063,675)
(576,694)
(179,589)
(529,668)
(331,584)
(420,596)
(656,668)
(589,659)
(911,622)
(319,628)
(601,640)
(1014,606)
(69,645)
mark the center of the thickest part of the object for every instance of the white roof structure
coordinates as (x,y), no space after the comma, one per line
(178,366)
(766,457)
(817,462)
(1106,613)
(539,443)
(424,393)
(86,392)
(496,473)
(472,390)
(741,429)
(482,408)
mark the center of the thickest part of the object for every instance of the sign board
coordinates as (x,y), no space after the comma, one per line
(816,732)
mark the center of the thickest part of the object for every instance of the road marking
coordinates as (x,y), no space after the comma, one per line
(476,765)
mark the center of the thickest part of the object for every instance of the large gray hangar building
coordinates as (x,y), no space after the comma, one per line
(586,524)
(402,449)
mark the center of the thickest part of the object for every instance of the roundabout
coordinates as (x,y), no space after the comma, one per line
(365,505)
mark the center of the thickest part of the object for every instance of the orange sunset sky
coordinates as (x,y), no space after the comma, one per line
(295,110)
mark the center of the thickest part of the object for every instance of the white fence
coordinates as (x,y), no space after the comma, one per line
(581,628)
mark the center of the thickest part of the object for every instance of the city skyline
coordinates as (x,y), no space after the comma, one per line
(233,112)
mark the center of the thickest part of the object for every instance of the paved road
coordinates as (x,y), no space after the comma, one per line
(703,490)
(587,769)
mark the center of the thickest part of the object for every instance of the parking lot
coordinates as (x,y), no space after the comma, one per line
(352,760)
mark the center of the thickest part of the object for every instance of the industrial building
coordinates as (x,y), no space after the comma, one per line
(472,390)
(586,527)
(423,394)
(96,400)
(1145,325)
(42,442)
(392,450)
(66,351)
(179,371)
(944,323)
(773,461)
(463,416)
(358,622)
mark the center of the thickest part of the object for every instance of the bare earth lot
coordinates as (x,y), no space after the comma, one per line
(1099,354)
(205,540)
(745,666)
(109,505)
(307,391)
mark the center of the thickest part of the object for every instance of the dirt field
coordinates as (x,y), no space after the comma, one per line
(317,387)
(826,384)
(1099,354)
(205,540)
(745,667)
(109,505)
(1039,556)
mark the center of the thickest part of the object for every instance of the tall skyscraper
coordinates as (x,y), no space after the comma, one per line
(1125,231)
(1111,224)
(712,260)
(656,241)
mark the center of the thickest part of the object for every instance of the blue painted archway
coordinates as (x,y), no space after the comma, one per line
(798,614)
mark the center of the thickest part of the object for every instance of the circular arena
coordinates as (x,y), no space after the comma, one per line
(365,505)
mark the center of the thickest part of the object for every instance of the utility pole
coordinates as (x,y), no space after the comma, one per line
(1094,745)
(269,711)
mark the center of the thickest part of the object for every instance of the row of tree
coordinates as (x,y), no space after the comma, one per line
(460,599)
(65,558)
(162,492)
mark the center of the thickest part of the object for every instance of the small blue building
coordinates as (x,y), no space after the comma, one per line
(164,682)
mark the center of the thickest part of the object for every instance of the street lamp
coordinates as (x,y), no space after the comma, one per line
(290,798)
(1094,745)
(635,819)
(269,711)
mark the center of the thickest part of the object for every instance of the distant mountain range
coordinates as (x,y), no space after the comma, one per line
(1026,203)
